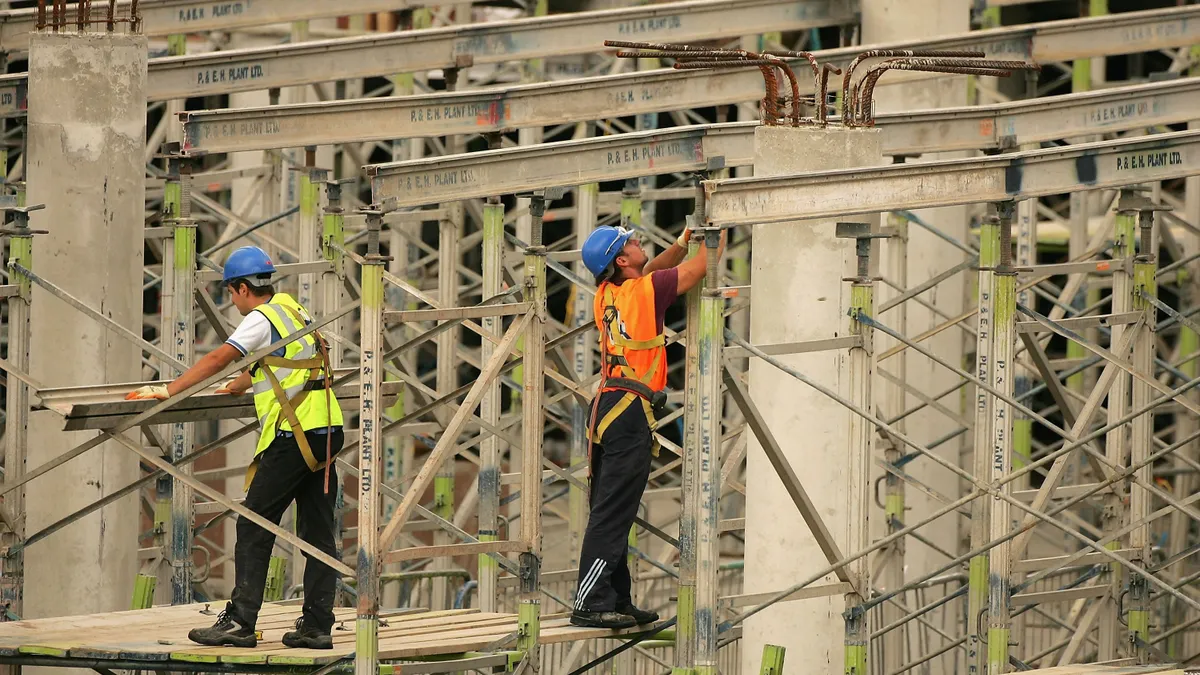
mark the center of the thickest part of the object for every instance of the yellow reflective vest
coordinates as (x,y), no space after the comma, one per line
(291,390)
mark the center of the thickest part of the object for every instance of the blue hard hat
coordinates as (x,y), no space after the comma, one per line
(250,263)
(603,245)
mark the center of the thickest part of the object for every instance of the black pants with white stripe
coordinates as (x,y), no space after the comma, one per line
(620,469)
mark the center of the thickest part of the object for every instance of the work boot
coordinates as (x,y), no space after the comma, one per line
(307,637)
(642,616)
(612,620)
(228,630)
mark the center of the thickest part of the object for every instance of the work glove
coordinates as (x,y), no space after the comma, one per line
(150,391)
(683,239)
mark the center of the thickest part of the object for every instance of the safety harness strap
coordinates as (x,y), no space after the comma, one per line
(318,367)
(620,407)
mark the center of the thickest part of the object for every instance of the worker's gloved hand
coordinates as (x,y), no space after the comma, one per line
(683,239)
(150,391)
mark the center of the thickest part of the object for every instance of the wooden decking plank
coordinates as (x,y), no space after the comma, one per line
(272,642)
(568,633)
(63,633)
(272,631)
(344,644)
(148,644)
(15,633)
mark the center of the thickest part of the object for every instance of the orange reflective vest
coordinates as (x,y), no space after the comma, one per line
(629,336)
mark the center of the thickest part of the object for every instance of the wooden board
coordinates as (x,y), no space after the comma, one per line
(108,414)
(158,636)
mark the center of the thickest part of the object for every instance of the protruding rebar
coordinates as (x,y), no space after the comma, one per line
(883,53)
(770,113)
(861,98)
(823,92)
(41,15)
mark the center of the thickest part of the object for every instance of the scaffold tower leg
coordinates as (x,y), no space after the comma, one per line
(977,580)
(859,446)
(1000,521)
(489,407)
(366,649)
(711,340)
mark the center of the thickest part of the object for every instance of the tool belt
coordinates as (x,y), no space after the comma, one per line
(657,399)
(653,404)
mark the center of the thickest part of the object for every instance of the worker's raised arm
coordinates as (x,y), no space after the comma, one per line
(691,271)
(671,256)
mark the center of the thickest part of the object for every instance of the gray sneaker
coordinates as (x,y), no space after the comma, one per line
(228,630)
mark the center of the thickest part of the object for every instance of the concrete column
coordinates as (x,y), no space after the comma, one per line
(926,256)
(87,126)
(798,292)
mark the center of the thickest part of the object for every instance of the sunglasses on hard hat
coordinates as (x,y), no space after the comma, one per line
(621,233)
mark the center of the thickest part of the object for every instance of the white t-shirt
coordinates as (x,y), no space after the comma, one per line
(254,333)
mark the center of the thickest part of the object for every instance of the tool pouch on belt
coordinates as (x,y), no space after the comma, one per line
(657,399)
(654,404)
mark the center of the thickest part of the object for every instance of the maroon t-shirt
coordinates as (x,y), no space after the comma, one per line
(666,290)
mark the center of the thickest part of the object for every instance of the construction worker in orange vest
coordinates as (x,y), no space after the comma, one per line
(631,302)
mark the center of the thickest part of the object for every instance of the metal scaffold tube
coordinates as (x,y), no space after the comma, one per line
(371,545)
(489,407)
(685,642)
(16,426)
(1000,521)
(179,271)
(860,444)
(529,608)
(977,594)
(710,339)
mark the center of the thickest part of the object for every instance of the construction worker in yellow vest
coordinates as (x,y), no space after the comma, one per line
(632,296)
(301,431)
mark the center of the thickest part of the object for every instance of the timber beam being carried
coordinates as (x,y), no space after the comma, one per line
(545,104)
(179,77)
(1009,177)
(695,148)
(168,17)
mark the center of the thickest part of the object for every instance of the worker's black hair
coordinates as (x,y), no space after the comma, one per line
(258,291)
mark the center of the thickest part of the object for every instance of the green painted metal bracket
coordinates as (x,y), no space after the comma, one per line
(143,591)
(772,661)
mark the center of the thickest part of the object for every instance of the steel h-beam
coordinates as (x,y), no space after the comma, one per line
(514,107)
(1014,176)
(169,17)
(691,148)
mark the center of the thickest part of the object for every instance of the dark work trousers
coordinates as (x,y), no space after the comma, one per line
(284,476)
(620,469)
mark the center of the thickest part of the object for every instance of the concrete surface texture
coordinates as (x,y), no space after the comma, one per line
(797,273)
(87,128)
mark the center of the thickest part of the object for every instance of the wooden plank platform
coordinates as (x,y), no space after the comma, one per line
(104,406)
(158,638)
